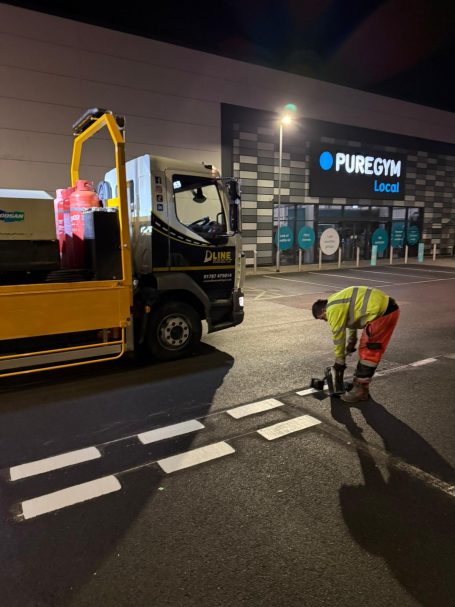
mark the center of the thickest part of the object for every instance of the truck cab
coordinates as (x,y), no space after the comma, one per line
(186,248)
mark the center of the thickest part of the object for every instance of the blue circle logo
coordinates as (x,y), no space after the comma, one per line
(326,161)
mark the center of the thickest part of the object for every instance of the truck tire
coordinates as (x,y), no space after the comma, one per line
(174,331)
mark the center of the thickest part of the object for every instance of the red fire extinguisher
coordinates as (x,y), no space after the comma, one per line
(82,198)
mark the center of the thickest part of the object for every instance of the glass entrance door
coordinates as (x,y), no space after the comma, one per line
(355,234)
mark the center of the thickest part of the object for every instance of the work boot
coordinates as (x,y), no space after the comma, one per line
(359,393)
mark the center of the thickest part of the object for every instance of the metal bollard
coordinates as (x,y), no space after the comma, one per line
(391,256)
(339,258)
(434,252)
(278,259)
(320,259)
(300,260)
(357,262)
(406,254)
(255,260)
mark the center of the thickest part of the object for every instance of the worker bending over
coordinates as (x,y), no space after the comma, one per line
(359,308)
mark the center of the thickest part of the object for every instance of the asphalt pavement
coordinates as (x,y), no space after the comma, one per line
(223,480)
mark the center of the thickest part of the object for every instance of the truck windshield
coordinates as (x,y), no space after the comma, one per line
(198,204)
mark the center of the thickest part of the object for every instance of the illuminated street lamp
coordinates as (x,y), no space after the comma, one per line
(285,120)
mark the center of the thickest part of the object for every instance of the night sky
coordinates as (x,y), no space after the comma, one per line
(399,48)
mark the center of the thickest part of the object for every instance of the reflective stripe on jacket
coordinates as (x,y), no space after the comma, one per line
(352,308)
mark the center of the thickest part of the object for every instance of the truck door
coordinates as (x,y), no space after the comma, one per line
(199,244)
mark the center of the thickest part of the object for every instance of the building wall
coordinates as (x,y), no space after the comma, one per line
(53,69)
(251,153)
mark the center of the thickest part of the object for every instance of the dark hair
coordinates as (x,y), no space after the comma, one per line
(318,307)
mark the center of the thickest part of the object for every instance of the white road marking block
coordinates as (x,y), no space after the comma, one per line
(67,497)
(195,457)
(307,391)
(287,427)
(53,463)
(257,407)
(425,361)
(169,431)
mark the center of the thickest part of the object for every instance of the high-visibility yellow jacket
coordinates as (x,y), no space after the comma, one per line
(351,309)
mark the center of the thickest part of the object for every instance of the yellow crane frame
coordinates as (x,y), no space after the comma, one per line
(34,310)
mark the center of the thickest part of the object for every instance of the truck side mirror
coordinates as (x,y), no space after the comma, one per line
(234,206)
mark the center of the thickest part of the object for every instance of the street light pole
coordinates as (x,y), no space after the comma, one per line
(280,160)
(285,119)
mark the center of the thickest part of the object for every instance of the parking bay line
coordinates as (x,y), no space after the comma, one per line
(53,463)
(287,427)
(159,434)
(344,276)
(195,457)
(68,497)
(418,282)
(424,270)
(304,282)
(378,272)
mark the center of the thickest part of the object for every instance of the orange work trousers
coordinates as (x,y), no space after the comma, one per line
(375,338)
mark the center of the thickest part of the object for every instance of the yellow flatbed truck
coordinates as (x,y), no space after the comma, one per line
(169,257)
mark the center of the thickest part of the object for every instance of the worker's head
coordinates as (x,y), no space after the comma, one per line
(319,309)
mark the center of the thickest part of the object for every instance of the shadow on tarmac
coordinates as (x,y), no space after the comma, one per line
(47,560)
(394,515)
(74,408)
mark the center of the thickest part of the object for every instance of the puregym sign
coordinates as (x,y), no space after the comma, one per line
(356,173)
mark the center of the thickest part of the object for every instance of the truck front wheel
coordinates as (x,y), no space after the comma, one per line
(174,331)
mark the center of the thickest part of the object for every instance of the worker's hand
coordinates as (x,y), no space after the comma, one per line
(351,346)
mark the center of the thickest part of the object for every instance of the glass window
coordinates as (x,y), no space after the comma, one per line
(198,204)
(130,194)
(399,213)
(329,210)
(414,216)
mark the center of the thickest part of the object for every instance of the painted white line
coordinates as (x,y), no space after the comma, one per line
(345,276)
(452,356)
(418,282)
(422,270)
(195,457)
(287,427)
(252,408)
(305,282)
(389,273)
(307,391)
(425,361)
(67,497)
(53,463)
(153,436)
